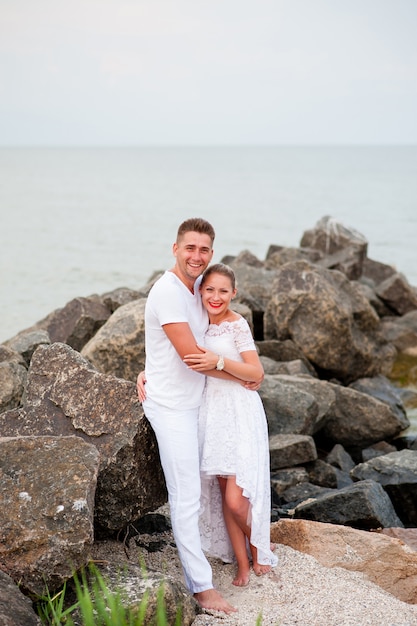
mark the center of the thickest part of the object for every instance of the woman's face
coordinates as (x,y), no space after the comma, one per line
(217,293)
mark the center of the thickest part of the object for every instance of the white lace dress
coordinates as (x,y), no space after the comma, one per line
(233,440)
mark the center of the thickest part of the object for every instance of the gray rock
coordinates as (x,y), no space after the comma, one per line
(323,393)
(359,420)
(322,474)
(25,343)
(75,323)
(344,248)
(284,351)
(118,347)
(290,368)
(375,271)
(47,487)
(132,583)
(285,478)
(67,396)
(330,321)
(288,408)
(402,332)
(377,449)
(381,388)
(397,294)
(290,450)
(15,608)
(12,384)
(363,505)
(338,457)
(397,473)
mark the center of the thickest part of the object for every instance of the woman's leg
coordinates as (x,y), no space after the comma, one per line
(236,514)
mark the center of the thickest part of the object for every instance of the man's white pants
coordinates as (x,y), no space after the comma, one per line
(177,436)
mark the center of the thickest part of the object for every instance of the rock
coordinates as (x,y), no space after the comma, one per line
(299,493)
(15,608)
(338,457)
(283,351)
(288,408)
(397,473)
(74,324)
(25,343)
(377,449)
(278,255)
(330,321)
(381,388)
(47,487)
(108,414)
(402,332)
(118,297)
(363,505)
(132,583)
(323,393)
(291,450)
(386,561)
(12,384)
(118,348)
(254,283)
(359,420)
(281,480)
(397,294)
(322,474)
(375,271)
(344,248)
(406,535)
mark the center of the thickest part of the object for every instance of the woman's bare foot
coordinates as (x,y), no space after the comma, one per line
(212,599)
(261,569)
(242,577)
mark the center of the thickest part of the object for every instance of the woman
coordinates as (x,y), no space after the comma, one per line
(233,436)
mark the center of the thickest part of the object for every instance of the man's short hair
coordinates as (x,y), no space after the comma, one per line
(196,225)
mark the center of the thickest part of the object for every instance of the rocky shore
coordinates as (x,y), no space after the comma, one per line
(80,473)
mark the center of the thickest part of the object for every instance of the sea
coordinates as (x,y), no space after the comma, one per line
(77,221)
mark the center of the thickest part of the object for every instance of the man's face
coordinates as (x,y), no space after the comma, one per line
(193,253)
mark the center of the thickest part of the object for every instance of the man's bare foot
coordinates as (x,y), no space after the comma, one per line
(242,577)
(212,599)
(261,569)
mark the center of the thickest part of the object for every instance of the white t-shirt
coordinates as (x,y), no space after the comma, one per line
(168,380)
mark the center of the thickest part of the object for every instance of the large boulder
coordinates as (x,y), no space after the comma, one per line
(118,348)
(344,248)
(73,324)
(386,561)
(330,320)
(289,409)
(47,487)
(359,420)
(66,395)
(363,505)
(397,473)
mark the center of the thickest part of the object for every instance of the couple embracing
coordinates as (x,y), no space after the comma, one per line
(199,393)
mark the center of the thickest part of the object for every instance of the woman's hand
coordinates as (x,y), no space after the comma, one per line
(201,361)
(140,386)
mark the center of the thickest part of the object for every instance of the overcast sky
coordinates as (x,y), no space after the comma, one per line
(133,72)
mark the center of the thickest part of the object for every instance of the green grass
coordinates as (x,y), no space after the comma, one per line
(98,605)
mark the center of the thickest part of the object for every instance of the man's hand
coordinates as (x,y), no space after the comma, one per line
(140,386)
(202,361)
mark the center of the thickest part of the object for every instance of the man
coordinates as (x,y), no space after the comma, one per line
(175,322)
